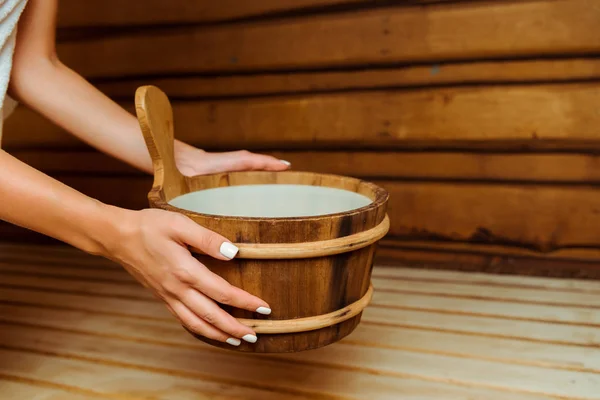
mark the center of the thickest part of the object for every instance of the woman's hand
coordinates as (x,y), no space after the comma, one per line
(152,246)
(192,161)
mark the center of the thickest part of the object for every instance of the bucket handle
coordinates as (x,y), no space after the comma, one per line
(155,117)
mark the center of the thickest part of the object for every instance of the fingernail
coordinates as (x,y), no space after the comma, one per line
(228,250)
(233,341)
(250,338)
(263,310)
(286,162)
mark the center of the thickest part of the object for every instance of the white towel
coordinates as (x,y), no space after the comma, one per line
(10,12)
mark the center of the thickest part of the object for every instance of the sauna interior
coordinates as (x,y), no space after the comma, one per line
(481,119)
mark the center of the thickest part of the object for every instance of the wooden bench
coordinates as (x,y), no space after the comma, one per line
(76,327)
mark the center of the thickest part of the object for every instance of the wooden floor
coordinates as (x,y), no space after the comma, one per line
(77,327)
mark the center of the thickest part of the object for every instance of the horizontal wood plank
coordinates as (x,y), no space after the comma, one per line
(44,254)
(426,33)
(502,261)
(461,166)
(73,286)
(482,279)
(543,218)
(399,379)
(582,256)
(43,258)
(488,308)
(114,276)
(21,388)
(470,291)
(483,72)
(575,254)
(74,13)
(516,117)
(112,13)
(480,325)
(108,380)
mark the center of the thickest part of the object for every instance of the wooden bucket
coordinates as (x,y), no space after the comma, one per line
(313,270)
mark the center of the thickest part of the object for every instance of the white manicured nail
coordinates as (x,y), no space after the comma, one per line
(250,338)
(233,341)
(263,310)
(228,250)
(286,162)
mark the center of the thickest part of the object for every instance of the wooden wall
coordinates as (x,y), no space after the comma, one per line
(482,118)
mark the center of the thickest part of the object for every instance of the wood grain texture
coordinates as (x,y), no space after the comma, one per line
(590,254)
(502,118)
(155,117)
(425,33)
(414,165)
(21,388)
(540,284)
(502,261)
(464,290)
(111,13)
(457,73)
(542,218)
(46,370)
(73,13)
(434,334)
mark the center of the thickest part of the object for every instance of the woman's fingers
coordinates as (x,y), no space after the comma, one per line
(260,162)
(246,161)
(210,312)
(223,292)
(198,326)
(197,288)
(199,277)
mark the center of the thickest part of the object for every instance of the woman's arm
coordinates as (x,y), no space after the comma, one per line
(151,244)
(40,81)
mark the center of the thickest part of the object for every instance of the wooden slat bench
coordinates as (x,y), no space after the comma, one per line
(74,326)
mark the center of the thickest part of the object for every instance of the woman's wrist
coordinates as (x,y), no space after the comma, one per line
(104,230)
